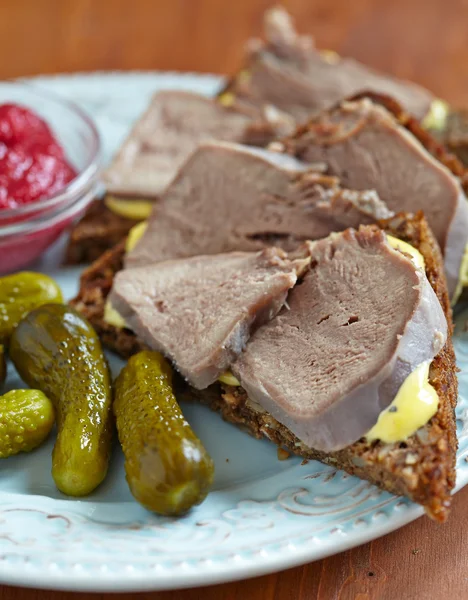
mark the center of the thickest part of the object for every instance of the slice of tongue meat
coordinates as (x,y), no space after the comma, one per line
(363,145)
(360,322)
(229,197)
(171,128)
(199,311)
(287,71)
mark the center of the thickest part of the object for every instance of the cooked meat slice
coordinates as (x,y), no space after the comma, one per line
(289,72)
(171,128)
(364,145)
(363,318)
(229,197)
(199,311)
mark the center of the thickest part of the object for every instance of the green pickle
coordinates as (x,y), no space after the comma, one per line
(57,351)
(26,418)
(167,467)
(20,293)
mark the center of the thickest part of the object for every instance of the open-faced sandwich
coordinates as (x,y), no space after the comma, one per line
(255,279)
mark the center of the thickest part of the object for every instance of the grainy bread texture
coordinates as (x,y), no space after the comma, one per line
(422,467)
(99,230)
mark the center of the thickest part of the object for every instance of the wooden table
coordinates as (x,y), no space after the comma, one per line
(425,40)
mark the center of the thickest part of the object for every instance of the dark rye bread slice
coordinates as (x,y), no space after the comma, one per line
(98,230)
(422,467)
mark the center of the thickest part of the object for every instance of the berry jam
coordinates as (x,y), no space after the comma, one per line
(33,165)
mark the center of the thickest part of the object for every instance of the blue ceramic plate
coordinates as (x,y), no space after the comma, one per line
(263,514)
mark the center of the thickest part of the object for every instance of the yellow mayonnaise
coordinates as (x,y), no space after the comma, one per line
(112,317)
(244,76)
(416,256)
(462,277)
(330,56)
(436,118)
(228,378)
(134,235)
(131,208)
(415,403)
(227,99)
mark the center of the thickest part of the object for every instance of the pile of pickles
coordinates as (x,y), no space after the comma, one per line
(59,356)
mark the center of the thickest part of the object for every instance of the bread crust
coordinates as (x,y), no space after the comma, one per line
(97,231)
(421,468)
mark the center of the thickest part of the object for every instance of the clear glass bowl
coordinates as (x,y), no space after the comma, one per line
(26,231)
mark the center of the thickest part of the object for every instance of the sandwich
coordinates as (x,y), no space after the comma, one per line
(174,123)
(242,278)
(339,350)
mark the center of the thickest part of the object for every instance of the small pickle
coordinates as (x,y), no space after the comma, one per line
(168,469)
(56,350)
(26,418)
(3,365)
(20,293)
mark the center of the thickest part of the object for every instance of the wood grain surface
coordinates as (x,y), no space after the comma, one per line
(426,40)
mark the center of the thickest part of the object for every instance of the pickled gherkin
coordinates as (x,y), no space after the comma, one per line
(57,351)
(26,418)
(20,293)
(168,469)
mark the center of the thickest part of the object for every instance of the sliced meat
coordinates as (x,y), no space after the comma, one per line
(289,72)
(420,130)
(362,320)
(199,312)
(171,128)
(363,145)
(229,197)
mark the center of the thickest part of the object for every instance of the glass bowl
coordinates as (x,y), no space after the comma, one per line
(28,230)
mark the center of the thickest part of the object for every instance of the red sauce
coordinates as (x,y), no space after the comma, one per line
(33,165)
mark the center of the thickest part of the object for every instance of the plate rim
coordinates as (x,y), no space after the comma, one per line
(225,574)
